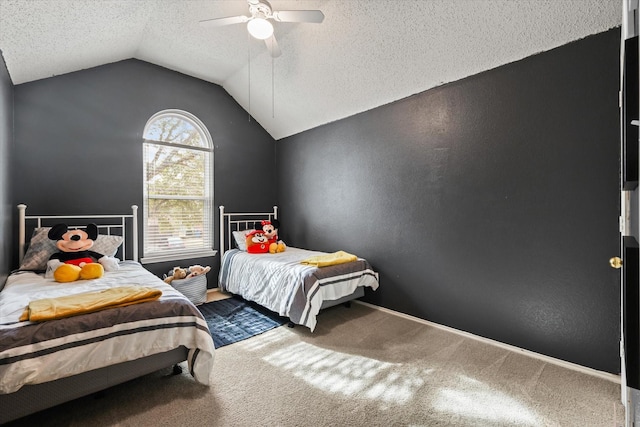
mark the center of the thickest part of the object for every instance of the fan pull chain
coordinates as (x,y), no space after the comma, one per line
(249,72)
(273,102)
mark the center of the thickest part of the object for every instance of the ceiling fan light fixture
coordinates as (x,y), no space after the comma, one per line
(260,28)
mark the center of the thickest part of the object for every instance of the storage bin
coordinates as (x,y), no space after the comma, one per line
(194,288)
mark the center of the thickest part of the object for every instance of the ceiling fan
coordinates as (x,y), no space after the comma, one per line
(258,23)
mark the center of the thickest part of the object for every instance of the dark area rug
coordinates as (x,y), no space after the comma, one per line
(235,319)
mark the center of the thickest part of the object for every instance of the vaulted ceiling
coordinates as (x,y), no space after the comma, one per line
(365,53)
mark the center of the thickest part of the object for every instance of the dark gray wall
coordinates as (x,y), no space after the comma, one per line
(489,205)
(79,142)
(6,140)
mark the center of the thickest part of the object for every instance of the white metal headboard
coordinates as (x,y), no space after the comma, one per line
(237,221)
(108,224)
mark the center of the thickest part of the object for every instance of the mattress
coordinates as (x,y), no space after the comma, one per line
(281,283)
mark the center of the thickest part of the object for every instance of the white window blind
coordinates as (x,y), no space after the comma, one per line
(178,187)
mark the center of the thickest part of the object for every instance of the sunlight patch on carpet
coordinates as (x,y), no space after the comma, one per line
(347,374)
(259,342)
(391,384)
(473,399)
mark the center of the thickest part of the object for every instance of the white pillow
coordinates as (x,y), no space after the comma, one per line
(240,237)
(41,248)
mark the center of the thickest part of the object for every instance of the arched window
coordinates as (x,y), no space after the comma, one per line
(178,187)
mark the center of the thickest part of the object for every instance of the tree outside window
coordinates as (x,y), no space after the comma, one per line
(178,186)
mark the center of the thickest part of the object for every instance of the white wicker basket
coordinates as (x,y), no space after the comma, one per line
(194,288)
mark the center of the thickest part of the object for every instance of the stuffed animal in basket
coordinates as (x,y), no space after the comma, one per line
(270,230)
(257,242)
(75,260)
(176,274)
(197,270)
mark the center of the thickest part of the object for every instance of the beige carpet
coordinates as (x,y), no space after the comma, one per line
(362,367)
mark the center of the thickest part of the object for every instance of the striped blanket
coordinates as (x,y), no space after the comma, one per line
(282,284)
(33,353)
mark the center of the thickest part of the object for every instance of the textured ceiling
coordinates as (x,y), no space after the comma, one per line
(365,54)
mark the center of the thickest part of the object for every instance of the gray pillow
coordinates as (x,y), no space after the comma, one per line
(41,248)
(241,239)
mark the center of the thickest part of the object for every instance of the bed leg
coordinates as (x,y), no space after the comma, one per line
(177,369)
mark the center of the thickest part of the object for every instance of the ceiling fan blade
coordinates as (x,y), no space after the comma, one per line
(313,16)
(272,46)
(219,22)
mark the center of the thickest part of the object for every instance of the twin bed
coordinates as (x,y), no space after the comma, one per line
(43,364)
(46,363)
(280,281)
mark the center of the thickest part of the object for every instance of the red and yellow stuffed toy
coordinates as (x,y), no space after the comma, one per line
(257,242)
(270,230)
(75,260)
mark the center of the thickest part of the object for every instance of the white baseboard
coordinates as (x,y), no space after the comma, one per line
(590,371)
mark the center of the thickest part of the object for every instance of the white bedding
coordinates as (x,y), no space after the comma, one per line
(139,330)
(26,286)
(280,283)
(281,274)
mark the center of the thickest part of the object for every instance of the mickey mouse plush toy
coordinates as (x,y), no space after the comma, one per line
(270,230)
(75,260)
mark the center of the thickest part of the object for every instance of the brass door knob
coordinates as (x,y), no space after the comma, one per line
(615,262)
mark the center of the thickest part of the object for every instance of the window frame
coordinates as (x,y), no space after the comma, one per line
(154,257)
